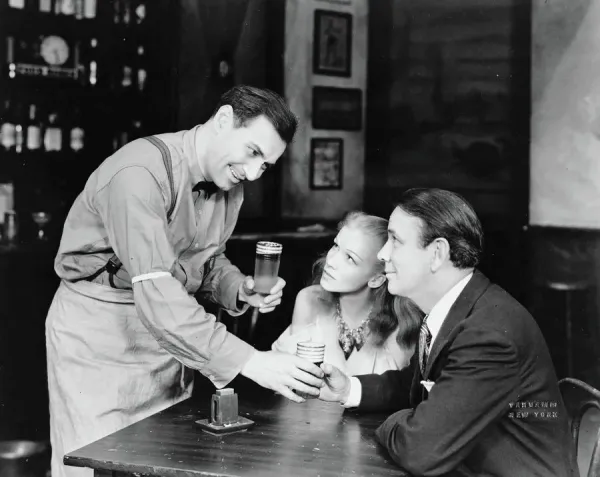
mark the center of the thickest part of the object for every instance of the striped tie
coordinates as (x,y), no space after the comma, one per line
(424,343)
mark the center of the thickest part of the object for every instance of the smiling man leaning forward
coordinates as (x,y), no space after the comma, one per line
(124,331)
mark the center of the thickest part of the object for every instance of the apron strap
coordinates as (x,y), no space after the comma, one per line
(114,264)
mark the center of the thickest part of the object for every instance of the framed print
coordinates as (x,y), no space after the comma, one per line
(332,43)
(337,108)
(326,161)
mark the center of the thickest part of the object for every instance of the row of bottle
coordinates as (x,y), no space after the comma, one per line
(47,55)
(78,8)
(18,134)
(51,134)
(124,12)
(128,71)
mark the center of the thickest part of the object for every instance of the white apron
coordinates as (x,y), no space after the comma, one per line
(105,370)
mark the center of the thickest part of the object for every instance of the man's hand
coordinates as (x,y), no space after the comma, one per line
(337,385)
(265,304)
(283,372)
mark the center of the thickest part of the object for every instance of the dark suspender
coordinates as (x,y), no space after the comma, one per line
(166,156)
(114,264)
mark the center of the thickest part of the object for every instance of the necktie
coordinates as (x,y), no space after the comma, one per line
(424,343)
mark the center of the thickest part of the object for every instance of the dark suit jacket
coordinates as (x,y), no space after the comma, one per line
(488,356)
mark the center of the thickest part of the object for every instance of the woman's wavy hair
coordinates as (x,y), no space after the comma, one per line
(389,312)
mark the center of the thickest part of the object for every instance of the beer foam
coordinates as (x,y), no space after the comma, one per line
(268,248)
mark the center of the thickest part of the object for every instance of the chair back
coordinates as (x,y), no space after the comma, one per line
(579,397)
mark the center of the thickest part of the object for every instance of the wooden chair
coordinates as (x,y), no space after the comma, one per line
(580,397)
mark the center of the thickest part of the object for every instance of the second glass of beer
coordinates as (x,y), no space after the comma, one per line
(266,266)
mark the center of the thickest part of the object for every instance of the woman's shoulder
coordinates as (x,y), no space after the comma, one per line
(313,305)
(315,298)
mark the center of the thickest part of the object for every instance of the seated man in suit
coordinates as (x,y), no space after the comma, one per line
(481,397)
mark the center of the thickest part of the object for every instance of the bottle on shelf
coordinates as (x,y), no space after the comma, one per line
(10,57)
(92,74)
(19,131)
(53,134)
(140,13)
(19,4)
(124,138)
(89,8)
(45,6)
(126,11)
(79,9)
(64,7)
(10,227)
(141,70)
(126,78)
(77,66)
(117,11)
(7,128)
(77,135)
(136,129)
(34,130)
(124,133)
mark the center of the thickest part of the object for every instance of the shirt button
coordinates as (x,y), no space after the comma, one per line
(196,245)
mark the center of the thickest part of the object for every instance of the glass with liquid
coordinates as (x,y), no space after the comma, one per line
(266,266)
(312,351)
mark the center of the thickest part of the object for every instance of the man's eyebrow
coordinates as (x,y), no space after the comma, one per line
(258,149)
(394,234)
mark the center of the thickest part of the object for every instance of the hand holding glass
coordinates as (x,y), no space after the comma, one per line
(266,266)
(313,352)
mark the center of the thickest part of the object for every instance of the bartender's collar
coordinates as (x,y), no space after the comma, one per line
(191,156)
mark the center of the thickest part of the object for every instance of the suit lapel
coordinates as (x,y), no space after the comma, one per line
(461,308)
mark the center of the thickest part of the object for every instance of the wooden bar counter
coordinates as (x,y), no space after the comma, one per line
(287,439)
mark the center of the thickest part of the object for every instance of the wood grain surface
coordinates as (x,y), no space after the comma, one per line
(309,439)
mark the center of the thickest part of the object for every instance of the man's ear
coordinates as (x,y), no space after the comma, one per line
(376,281)
(224,118)
(440,253)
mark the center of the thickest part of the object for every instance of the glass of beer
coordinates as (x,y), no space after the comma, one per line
(266,266)
(312,351)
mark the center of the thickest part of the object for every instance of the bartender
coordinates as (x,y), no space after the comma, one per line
(124,331)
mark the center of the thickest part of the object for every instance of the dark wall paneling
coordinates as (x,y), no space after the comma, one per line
(451,110)
(223,44)
(565,277)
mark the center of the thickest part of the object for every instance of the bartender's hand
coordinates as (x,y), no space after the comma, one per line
(337,384)
(283,372)
(265,304)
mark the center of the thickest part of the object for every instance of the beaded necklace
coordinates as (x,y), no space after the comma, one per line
(351,338)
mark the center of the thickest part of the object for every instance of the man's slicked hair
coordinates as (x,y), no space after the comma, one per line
(447,215)
(249,103)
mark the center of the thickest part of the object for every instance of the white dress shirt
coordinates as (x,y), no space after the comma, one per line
(435,320)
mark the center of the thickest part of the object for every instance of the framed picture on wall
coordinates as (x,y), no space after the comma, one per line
(326,163)
(337,108)
(332,43)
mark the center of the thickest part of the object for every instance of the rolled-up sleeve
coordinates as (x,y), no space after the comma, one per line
(222,283)
(132,208)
